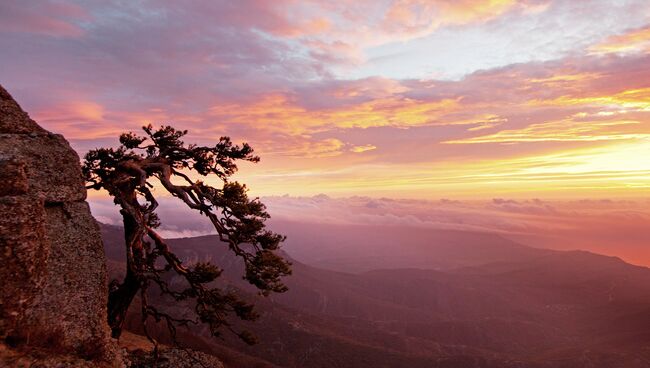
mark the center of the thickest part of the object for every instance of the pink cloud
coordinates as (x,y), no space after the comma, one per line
(50,18)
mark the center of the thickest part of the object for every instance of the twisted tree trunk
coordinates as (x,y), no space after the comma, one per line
(120,298)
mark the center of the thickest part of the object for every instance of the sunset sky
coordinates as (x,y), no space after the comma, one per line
(526,118)
(417,99)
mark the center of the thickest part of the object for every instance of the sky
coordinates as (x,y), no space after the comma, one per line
(403,98)
(525,118)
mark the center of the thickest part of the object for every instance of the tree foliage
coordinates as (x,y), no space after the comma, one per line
(129,173)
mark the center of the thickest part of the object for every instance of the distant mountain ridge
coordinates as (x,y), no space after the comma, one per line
(358,248)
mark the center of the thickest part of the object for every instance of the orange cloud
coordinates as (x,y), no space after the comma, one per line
(74,117)
(305,148)
(364,148)
(637,40)
(277,112)
(624,101)
(563,130)
(307,28)
(557,79)
(414,18)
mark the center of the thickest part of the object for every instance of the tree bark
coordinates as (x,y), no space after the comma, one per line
(120,299)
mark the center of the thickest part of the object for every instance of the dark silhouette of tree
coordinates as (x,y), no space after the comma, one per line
(127,173)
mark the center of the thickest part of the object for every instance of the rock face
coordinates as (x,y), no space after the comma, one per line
(52,263)
(173,358)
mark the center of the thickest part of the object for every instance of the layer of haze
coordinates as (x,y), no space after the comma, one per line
(611,227)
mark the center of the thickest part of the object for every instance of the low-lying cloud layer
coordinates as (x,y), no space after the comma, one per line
(612,227)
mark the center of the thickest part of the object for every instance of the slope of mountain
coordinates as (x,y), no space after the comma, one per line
(539,309)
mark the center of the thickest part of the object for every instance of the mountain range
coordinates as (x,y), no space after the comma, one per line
(364,296)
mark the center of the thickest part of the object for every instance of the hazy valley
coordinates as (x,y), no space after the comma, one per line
(425,297)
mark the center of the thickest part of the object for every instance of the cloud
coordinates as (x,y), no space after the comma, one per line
(280,112)
(555,126)
(419,17)
(563,130)
(313,149)
(636,40)
(364,148)
(48,18)
(533,207)
(268,73)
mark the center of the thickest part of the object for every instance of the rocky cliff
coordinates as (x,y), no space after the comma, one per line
(53,276)
(52,263)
